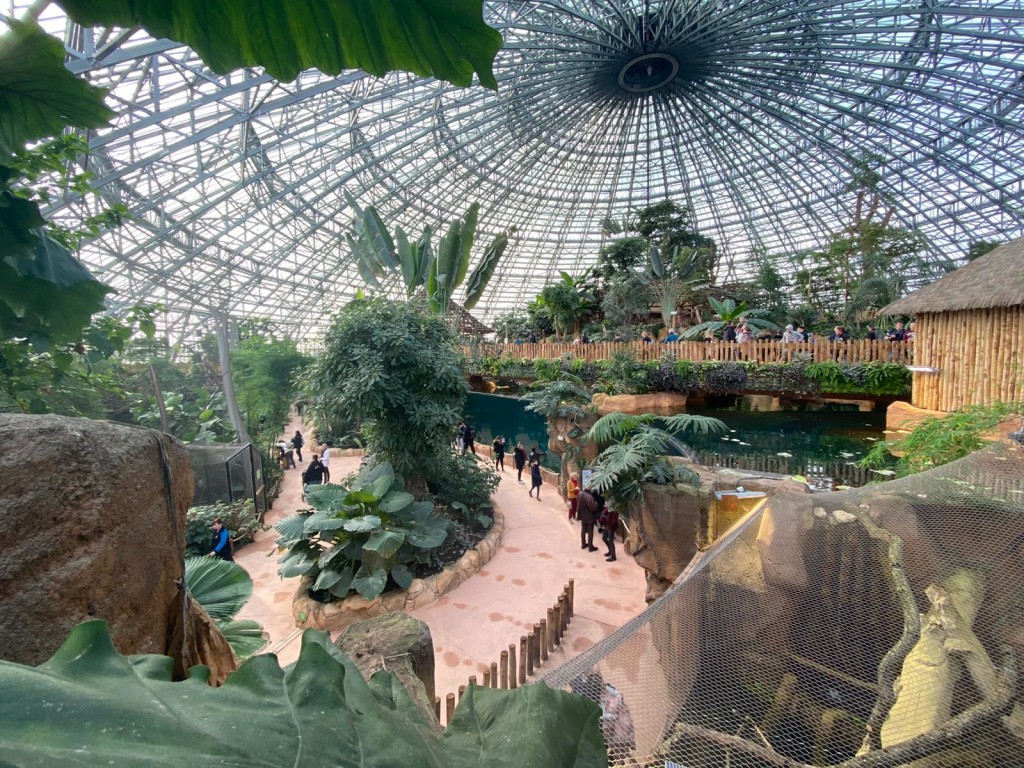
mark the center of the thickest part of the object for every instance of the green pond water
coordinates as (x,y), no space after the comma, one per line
(823,443)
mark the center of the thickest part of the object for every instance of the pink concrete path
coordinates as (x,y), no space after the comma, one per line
(472,624)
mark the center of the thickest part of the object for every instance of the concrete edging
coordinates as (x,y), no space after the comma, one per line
(339,615)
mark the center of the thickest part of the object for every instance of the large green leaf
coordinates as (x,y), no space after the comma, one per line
(428,534)
(396,501)
(89,706)
(467,236)
(48,297)
(363,523)
(220,586)
(328,498)
(445,39)
(485,270)
(370,583)
(245,636)
(385,543)
(39,97)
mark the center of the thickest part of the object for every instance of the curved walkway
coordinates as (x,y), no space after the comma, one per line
(472,624)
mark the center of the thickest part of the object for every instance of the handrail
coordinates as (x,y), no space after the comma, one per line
(766,351)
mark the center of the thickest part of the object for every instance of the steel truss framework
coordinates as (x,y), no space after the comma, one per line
(751,112)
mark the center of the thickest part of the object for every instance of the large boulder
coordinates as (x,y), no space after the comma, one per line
(92,516)
(400,644)
(666,530)
(659,403)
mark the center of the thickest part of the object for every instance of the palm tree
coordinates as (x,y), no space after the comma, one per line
(728,311)
(635,453)
(567,303)
(222,587)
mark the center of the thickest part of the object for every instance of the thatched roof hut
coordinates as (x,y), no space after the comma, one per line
(464,323)
(969,335)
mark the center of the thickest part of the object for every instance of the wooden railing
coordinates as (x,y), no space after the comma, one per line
(855,351)
(534,649)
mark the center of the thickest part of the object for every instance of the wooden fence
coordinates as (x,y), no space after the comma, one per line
(769,351)
(533,650)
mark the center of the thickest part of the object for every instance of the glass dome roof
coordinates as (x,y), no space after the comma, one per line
(750,112)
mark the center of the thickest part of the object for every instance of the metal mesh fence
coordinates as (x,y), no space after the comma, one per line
(879,626)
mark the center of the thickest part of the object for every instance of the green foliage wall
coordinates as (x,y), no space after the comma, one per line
(622,375)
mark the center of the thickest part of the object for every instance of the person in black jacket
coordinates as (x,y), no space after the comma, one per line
(519,459)
(297,443)
(536,478)
(220,546)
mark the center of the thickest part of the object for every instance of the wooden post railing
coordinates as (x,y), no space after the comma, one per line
(534,649)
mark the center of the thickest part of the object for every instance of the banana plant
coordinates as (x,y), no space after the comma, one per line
(438,274)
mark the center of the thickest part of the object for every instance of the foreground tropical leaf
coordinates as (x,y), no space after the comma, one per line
(446,39)
(47,298)
(40,96)
(245,636)
(90,706)
(483,272)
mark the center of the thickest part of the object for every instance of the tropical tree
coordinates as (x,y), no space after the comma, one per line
(676,278)
(728,311)
(567,303)
(383,260)
(394,368)
(635,452)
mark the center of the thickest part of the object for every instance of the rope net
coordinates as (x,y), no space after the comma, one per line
(879,626)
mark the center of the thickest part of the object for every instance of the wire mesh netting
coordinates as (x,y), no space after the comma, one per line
(880,626)
(228,473)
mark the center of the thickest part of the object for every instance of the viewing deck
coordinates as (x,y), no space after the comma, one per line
(768,351)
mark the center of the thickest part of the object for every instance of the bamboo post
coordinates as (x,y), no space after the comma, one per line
(437,708)
(551,630)
(571,592)
(449,707)
(472,679)
(462,692)
(530,648)
(487,678)
(524,651)
(503,670)
(537,636)
(563,610)
(557,618)
(513,668)
(544,639)
(494,674)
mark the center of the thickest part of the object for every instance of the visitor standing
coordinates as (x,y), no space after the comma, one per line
(872,334)
(609,522)
(572,494)
(498,453)
(286,455)
(743,335)
(536,479)
(325,458)
(645,337)
(220,546)
(587,511)
(909,334)
(468,437)
(729,334)
(297,443)
(519,460)
(671,336)
(790,336)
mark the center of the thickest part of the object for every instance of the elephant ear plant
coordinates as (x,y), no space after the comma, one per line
(356,536)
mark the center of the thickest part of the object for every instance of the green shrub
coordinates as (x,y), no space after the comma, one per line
(623,375)
(940,440)
(239,517)
(464,481)
(359,535)
(547,370)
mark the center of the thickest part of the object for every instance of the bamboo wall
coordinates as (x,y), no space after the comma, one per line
(979,354)
(770,351)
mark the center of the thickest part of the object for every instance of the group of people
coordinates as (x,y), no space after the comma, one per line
(590,509)
(287,450)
